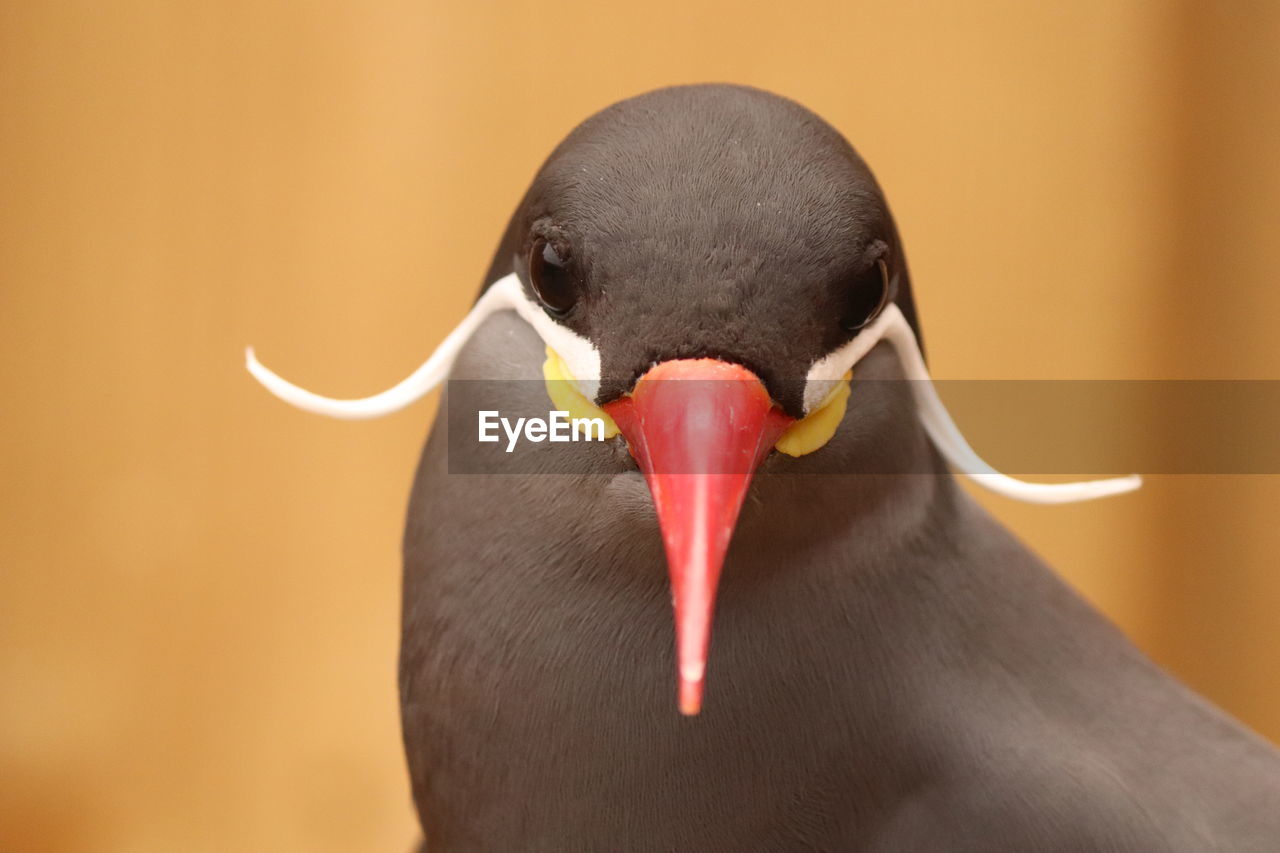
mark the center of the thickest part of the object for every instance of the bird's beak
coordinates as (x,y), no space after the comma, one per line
(698,428)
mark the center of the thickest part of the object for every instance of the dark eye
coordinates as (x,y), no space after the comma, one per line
(551,278)
(868,296)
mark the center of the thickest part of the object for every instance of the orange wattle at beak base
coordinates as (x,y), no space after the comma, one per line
(698,429)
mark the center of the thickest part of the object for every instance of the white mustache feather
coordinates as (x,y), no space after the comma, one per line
(583,361)
(506,294)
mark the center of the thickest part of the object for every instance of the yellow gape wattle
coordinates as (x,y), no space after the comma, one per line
(816,428)
(803,436)
(567,398)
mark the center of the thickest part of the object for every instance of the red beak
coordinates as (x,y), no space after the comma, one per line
(698,428)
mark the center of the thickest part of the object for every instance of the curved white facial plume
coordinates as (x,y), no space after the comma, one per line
(894,328)
(506,294)
(583,362)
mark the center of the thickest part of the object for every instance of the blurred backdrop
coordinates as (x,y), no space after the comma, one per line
(198,619)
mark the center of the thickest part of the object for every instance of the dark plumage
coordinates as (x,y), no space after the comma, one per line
(891,670)
(710,220)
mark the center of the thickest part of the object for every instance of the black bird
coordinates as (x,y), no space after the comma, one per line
(892,670)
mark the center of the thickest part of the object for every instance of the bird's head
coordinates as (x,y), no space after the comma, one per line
(705,265)
(699,251)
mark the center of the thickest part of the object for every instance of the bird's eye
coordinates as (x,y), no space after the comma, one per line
(552,278)
(868,296)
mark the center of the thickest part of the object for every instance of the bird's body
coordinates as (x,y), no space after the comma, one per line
(891,671)
(969,700)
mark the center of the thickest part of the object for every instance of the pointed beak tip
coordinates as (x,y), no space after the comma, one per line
(690,698)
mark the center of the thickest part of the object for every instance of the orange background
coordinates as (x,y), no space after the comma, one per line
(198,620)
